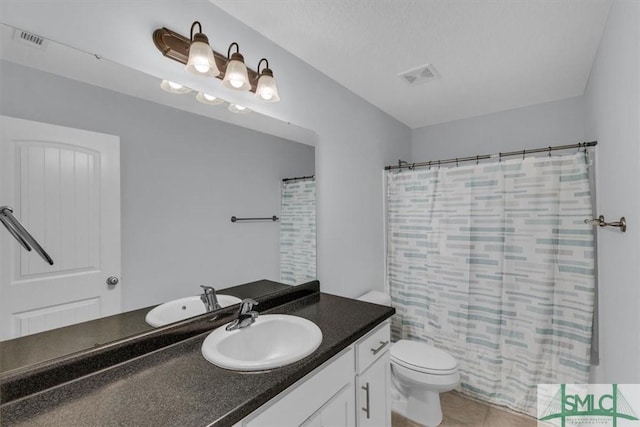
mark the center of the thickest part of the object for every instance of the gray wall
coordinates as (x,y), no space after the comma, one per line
(553,123)
(613,118)
(183,177)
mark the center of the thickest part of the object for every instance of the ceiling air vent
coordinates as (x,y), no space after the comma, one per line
(29,39)
(422,74)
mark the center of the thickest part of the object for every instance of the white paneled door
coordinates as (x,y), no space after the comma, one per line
(64,186)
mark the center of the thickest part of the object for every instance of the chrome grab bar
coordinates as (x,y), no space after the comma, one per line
(17,230)
(236,219)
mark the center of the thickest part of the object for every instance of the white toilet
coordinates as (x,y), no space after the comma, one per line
(419,373)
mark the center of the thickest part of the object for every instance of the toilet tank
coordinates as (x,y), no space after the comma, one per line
(376,297)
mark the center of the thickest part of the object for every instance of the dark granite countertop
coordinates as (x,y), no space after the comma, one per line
(254,289)
(32,349)
(176,386)
(36,348)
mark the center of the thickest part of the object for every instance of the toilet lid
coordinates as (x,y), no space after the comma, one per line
(422,357)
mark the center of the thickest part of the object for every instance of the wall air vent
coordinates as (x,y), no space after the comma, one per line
(29,39)
(419,75)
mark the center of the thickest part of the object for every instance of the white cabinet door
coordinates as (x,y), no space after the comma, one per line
(313,421)
(304,402)
(64,186)
(374,409)
(339,411)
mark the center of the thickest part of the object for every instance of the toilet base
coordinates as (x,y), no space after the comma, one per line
(424,408)
(398,401)
(421,388)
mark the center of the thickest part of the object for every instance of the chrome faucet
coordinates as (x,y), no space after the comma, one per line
(246,316)
(209,298)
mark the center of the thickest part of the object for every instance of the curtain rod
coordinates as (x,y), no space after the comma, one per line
(298,178)
(402,164)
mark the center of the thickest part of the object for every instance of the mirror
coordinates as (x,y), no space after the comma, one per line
(183,170)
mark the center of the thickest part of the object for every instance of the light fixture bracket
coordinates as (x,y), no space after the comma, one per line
(266,70)
(199,37)
(176,46)
(238,57)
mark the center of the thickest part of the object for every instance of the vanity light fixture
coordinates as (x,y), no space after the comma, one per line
(267,89)
(200,59)
(238,109)
(205,98)
(235,76)
(172,87)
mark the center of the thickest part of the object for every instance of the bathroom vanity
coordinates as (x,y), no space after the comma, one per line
(354,384)
(344,380)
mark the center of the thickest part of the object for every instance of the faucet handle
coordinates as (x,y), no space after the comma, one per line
(247,305)
(246,316)
(209,298)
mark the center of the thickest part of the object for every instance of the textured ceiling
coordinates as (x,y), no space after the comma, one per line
(491,55)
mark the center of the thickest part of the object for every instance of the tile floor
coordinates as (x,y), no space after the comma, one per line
(459,411)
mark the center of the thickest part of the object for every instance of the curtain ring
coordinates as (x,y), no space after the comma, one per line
(429,164)
(438,164)
(549,152)
(523,153)
(499,157)
(456,162)
(477,159)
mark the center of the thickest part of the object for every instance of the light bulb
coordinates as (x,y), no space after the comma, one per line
(201,68)
(201,61)
(266,89)
(205,98)
(238,109)
(235,76)
(173,87)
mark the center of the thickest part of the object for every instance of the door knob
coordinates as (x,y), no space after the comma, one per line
(112,281)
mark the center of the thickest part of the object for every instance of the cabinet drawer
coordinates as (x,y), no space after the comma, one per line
(371,346)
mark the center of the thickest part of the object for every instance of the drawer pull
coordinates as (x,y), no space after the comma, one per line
(366,409)
(382,345)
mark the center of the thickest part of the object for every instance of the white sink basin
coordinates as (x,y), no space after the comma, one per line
(274,340)
(183,308)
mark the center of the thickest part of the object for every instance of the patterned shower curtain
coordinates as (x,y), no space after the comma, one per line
(298,231)
(494,264)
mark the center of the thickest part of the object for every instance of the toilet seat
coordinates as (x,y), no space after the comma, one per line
(423,370)
(422,357)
